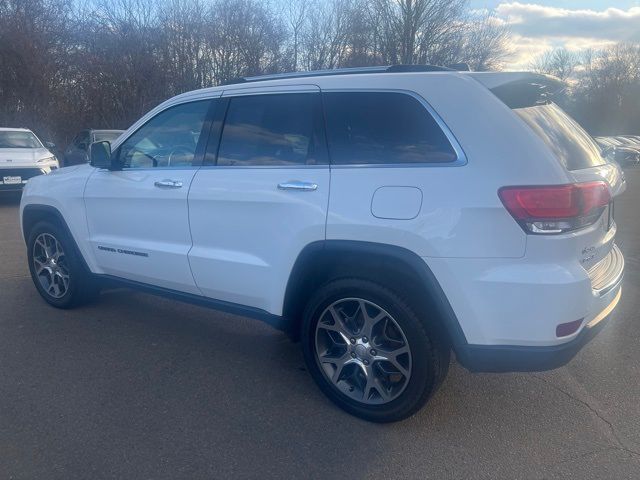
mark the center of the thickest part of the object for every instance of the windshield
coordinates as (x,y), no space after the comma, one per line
(18,139)
(106,136)
(569,142)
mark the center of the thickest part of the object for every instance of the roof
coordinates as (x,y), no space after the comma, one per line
(346,71)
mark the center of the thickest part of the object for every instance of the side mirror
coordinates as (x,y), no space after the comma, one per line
(100,155)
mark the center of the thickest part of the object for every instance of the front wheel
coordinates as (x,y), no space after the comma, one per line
(369,352)
(56,269)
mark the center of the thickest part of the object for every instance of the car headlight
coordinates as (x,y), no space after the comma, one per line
(51,158)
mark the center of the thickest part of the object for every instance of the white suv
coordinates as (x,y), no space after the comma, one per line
(383,216)
(23,156)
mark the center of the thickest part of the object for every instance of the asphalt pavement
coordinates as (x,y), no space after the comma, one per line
(140,387)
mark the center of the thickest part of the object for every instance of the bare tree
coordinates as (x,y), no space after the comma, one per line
(418,31)
(325,39)
(484,44)
(184,26)
(558,62)
(67,65)
(33,44)
(245,38)
(297,17)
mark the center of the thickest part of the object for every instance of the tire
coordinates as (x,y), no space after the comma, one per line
(384,377)
(79,286)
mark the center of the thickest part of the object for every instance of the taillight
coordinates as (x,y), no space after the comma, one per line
(556,208)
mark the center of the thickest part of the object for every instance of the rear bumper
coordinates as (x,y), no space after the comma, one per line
(512,358)
(511,311)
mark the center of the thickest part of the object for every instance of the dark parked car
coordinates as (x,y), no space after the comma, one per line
(625,153)
(632,141)
(78,150)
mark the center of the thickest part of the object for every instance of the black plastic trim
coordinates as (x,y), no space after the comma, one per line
(49,212)
(513,358)
(398,254)
(275,321)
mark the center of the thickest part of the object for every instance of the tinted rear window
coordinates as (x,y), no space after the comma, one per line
(568,141)
(383,128)
(277,129)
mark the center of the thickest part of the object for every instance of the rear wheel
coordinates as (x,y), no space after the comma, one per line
(56,269)
(369,352)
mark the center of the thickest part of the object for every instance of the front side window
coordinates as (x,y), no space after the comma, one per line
(272,129)
(383,128)
(18,139)
(167,140)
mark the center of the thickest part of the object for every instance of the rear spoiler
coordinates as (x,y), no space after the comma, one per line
(520,90)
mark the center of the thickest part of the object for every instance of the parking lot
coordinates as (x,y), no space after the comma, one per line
(135,386)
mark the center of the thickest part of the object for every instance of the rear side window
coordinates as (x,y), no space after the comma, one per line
(383,128)
(272,129)
(568,141)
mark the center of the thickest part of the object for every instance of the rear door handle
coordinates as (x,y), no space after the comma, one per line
(297,185)
(168,184)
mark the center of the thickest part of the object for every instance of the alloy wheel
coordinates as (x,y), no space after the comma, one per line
(362,351)
(50,265)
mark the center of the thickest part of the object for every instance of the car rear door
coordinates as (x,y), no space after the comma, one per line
(261,196)
(138,217)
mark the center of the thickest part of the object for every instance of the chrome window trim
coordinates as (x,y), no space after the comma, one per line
(270,90)
(262,167)
(157,169)
(164,106)
(255,90)
(142,122)
(461,157)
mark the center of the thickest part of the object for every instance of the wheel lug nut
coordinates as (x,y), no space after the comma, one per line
(353,354)
(366,362)
(373,352)
(365,339)
(352,340)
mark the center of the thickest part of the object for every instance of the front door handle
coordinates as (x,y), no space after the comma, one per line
(297,185)
(168,184)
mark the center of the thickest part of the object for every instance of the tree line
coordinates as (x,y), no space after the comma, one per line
(66,65)
(603,91)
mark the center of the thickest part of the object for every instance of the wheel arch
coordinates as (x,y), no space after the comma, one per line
(32,214)
(398,268)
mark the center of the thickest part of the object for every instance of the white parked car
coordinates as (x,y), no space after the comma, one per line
(22,157)
(383,216)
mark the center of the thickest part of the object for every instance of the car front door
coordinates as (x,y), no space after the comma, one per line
(137,216)
(261,196)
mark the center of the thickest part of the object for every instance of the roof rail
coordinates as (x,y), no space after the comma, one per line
(341,71)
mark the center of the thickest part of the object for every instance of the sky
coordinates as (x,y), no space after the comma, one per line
(540,25)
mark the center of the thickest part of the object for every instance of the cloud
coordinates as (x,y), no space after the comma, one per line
(537,28)
(531,20)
